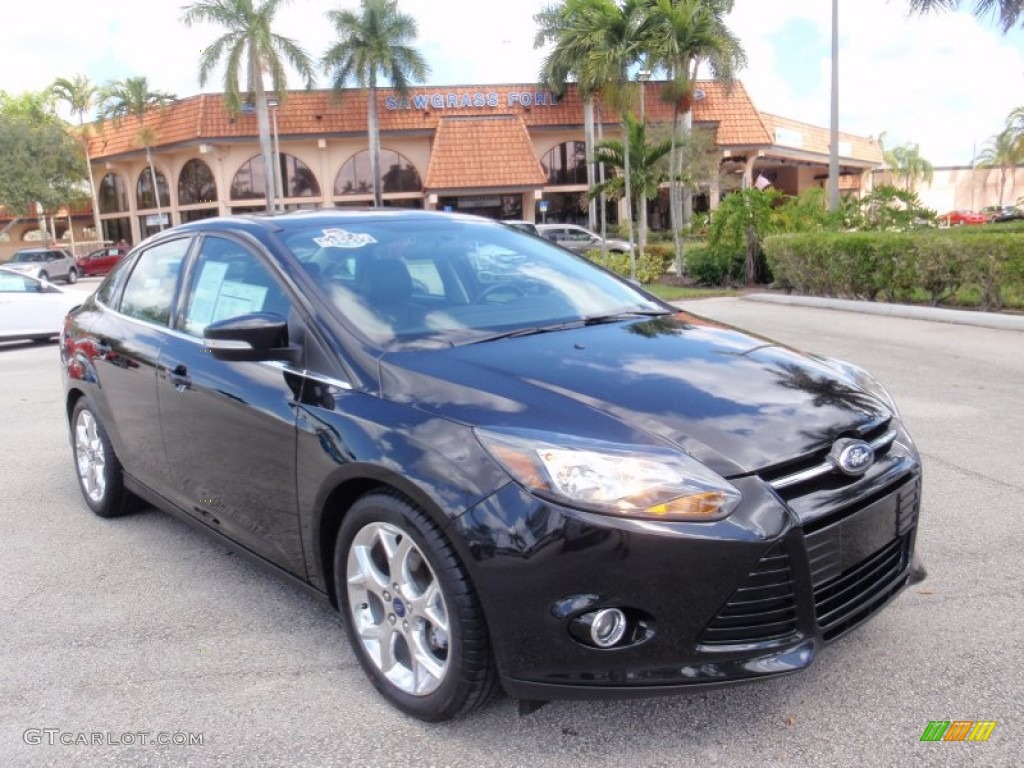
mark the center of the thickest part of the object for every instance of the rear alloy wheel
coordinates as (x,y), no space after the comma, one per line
(97,467)
(410,612)
(72,276)
(43,275)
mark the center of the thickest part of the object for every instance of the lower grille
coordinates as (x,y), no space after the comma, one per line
(845,602)
(762,611)
(858,562)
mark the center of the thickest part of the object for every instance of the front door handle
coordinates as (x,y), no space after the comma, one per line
(179,377)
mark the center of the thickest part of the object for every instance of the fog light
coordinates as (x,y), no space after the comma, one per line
(607,626)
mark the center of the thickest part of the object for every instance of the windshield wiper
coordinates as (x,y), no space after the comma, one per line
(532,331)
(616,316)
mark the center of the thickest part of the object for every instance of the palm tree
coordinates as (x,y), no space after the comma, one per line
(251,49)
(681,35)
(646,164)
(132,97)
(80,94)
(557,69)
(908,166)
(1007,11)
(375,42)
(600,36)
(1003,151)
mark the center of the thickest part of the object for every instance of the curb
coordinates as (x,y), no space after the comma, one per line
(931,314)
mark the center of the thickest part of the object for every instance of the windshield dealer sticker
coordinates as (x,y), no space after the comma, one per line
(339,238)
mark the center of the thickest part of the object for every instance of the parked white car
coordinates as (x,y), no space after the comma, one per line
(579,239)
(31,308)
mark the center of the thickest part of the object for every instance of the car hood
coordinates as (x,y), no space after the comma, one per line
(734,401)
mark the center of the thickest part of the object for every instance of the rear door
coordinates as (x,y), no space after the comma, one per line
(125,342)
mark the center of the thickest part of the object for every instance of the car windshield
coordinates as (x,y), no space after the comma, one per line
(455,281)
(28,256)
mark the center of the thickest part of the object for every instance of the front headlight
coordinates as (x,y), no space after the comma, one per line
(639,481)
(865,381)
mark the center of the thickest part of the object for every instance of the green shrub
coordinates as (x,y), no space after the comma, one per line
(650,266)
(898,265)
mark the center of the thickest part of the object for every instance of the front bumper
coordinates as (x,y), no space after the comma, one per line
(752,596)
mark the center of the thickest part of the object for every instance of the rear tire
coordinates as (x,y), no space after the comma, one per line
(97,467)
(411,614)
(43,275)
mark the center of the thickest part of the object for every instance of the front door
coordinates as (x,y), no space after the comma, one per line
(229,428)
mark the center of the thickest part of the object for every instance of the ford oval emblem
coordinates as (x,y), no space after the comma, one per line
(852,457)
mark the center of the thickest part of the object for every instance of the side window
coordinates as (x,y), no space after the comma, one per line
(228,281)
(150,289)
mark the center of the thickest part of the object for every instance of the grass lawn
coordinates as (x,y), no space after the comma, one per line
(677,292)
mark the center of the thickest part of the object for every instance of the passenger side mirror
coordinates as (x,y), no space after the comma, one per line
(257,336)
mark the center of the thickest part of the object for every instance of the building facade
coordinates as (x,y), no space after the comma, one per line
(511,151)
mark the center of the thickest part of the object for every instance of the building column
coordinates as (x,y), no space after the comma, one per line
(327,186)
(714,193)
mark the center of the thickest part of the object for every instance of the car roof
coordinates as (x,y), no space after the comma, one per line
(278,222)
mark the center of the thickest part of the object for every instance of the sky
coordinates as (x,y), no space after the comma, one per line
(946,81)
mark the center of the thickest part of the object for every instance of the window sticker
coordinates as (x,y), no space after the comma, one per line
(204,299)
(340,238)
(239,299)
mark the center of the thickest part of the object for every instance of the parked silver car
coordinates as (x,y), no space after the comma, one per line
(45,264)
(579,239)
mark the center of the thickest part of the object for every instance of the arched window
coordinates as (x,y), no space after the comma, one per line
(298,180)
(144,190)
(566,163)
(196,184)
(397,174)
(113,195)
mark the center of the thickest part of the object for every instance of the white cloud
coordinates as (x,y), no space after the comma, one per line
(946,81)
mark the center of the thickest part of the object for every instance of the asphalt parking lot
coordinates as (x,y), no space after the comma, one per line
(138,627)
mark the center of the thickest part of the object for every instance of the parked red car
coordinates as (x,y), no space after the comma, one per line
(959,218)
(100,261)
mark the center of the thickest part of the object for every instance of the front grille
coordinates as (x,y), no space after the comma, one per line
(859,560)
(762,611)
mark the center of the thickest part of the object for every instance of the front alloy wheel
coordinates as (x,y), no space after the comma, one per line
(398,608)
(72,276)
(411,613)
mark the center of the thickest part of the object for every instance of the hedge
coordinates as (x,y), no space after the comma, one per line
(896,265)
(650,267)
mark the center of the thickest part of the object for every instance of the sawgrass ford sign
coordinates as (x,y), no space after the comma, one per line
(472,99)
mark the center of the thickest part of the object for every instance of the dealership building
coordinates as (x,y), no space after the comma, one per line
(512,151)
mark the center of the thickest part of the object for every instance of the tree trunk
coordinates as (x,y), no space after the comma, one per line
(588,137)
(374,130)
(673,193)
(685,194)
(263,124)
(751,262)
(92,182)
(602,200)
(628,181)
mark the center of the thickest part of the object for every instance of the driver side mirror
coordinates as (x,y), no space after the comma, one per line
(254,337)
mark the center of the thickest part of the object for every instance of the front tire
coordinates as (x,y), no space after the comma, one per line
(96,465)
(410,612)
(72,276)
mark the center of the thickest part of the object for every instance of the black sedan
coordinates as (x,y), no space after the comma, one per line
(504,465)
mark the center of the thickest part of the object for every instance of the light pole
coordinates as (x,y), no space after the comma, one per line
(833,150)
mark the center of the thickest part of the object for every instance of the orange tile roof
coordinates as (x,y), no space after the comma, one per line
(483,152)
(319,113)
(816,139)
